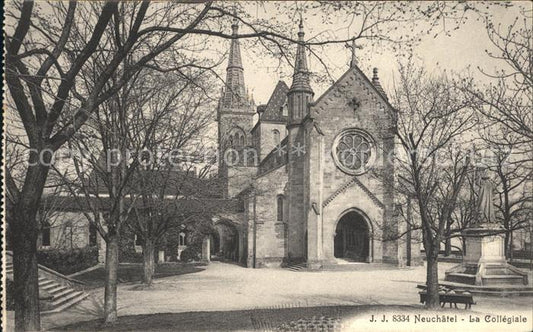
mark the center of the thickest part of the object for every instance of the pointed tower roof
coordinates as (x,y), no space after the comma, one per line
(235,92)
(300,78)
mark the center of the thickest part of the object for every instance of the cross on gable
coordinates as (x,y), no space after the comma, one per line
(354,103)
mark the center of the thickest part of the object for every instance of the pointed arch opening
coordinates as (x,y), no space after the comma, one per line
(352,239)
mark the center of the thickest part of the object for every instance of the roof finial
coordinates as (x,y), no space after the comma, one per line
(301,27)
(377,84)
(235,24)
(353,61)
(301,72)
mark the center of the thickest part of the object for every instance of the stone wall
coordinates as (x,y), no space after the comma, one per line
(370,193)
(271,241)
(68,230)
(239,178)
(267,141)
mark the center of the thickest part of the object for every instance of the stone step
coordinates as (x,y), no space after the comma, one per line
(503,280)
(46,282)
(463,278)
(64,299)
(64,292)
(499,276)
(49,286)
(80,296)
(56,289)
(297,267)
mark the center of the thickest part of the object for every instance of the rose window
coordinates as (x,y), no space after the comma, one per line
(353,151)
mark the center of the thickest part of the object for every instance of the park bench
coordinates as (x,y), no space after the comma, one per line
(451,297)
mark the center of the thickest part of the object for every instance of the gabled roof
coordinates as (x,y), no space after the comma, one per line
(276,158)
(358,71)
(278,98)
(183,205)
(163,182)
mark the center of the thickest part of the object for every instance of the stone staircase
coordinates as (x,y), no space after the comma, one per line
(297,267)
(56,291)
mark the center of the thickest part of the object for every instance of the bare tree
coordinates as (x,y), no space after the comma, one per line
(45,58)
(508,98)
(161,183)
(125,135)
(432,116)
(512,173)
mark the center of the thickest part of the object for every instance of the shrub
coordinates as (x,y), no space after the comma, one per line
(68,262)
(191,253)
(130,256)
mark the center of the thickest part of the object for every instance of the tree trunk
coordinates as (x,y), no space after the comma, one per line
(111,267)
(448,242)
(432,281)
(448,247)
(148,261)
(26,273)
(25,231)
(508,245)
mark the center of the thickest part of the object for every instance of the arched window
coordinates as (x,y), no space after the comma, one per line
(284,110)
(280,200)
(45,234)
(138,240)
(275,133)
(299,106)
(182,239)
(236,137)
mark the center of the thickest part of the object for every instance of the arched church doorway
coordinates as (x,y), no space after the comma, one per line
(225,243)
(214,248)
(352,238)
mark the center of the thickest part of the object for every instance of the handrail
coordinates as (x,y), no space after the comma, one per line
(57,274)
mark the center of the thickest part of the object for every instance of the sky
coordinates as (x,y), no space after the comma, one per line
(463,48)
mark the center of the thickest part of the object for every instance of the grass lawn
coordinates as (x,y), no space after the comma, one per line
(134,272)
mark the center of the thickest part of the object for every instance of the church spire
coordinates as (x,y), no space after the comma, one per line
(300,94)
(235,92)
(300,78)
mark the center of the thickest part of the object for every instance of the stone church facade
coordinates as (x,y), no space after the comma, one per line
(312,172)
(307,182)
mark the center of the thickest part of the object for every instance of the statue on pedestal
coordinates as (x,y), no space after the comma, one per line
(484,261)
(486,205)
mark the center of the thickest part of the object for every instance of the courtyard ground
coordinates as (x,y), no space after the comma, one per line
(230,297)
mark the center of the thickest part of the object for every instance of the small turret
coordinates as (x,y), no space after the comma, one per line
(377,84)
(300,92)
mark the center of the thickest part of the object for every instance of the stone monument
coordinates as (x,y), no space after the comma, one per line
(484,262)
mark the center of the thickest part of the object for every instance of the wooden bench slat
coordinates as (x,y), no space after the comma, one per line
(465,299)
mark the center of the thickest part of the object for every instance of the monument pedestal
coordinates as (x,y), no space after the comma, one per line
(206,250)
(484,263)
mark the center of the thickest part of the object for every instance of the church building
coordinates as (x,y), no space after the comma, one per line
(312,171)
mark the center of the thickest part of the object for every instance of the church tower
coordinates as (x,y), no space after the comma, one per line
(299,96)
(234,114)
